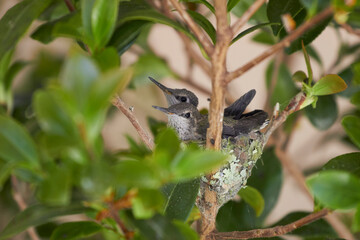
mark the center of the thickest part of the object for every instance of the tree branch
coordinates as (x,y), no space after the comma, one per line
(69,5)
(145,137)
(283,43)
(22,205)
(350,30)
(246,16)
(203,39)
(272,232)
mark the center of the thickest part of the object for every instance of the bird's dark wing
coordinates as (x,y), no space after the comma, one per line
(251,121)
(238,107)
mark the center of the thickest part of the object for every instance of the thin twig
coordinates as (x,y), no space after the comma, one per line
(350,30)
(145,137)
(246,16)
(69,5)
(203,39)
(272,232)
(280,45)
(114,214)
(22,205)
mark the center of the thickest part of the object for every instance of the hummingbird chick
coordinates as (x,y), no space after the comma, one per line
(174,96)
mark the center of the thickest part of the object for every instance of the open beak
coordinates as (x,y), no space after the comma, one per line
(164,110)
(169,93)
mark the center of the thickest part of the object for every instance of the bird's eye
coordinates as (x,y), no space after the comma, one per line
(183,99)
(187,115)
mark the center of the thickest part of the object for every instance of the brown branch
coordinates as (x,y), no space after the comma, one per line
(272,232)
(350,30)
(22,205)
(246,16)
(119,103)
(69,5)
(203,39)
(279,118)
(283,43)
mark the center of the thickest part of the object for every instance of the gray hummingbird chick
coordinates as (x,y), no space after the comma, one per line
(186,120)
(174,96)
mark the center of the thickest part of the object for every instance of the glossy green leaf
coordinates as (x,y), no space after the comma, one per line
(355,99)
(4,65)
(146,203)
(16,21)
(325,114)
(335,189)
(329,84)
(182,199)
(135,174)
(158,227)
(14,69)
(204,23)
(190,164)
(16,146)
(103,20)
(156,126)
(264,37)
(167,146)
(250,30)
(126,34)
(351,125)
(253,197)
(75,230)
(319,229)
(55,189)
(186,230)
(355,226)
(284,89)
(348,75)
(276,8)
(86,16)
(266,177)
(67,26)
(149,64)
(5,172)
(307,61)
(231,4)
(349,162)
(37,215)
(107,59)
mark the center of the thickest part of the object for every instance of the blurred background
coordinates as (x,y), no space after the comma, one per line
(307,147)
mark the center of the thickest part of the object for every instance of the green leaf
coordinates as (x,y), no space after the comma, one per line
(75,230)
(126,34)
(107,59)
(186,230)
(182,199)
(135,174)
(146,203)
(329,84)
(355,99)
(349,162)
(17,20)
(264,37)
(86,16)
(204,23)
(319,229)
(325,114)
(14,69)
(299,76)
(103,20)
(206,3)
(276,8)
(253,197)
(190,164)
(355,226)
(16,146)
(67,26)
(243,5)
(37,215)
(313,53)
(156,126)
(266,177)
(149,64)
(55,189)
(5,172)
(308,64)
(158,227)
(167,146)
(335,189)
(250,30)
(231,4)
(351,125)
